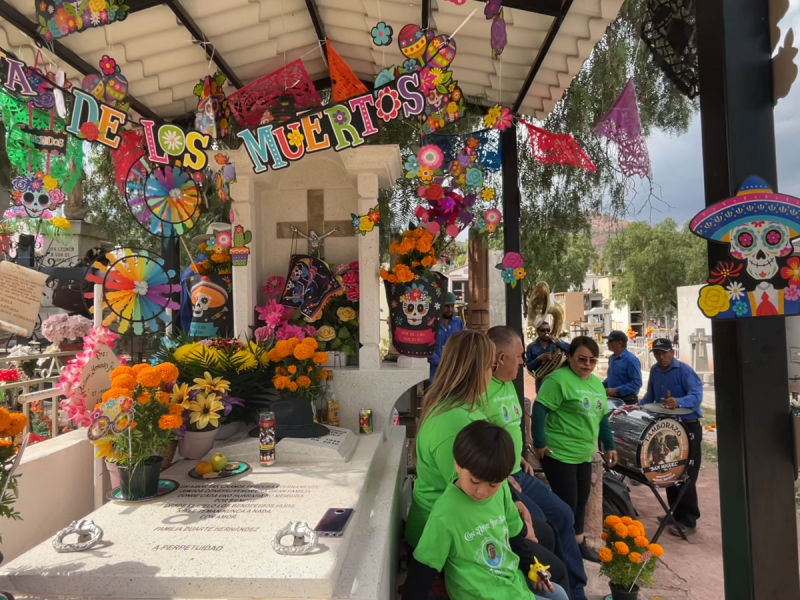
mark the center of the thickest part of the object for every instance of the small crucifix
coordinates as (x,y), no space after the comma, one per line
(314,229)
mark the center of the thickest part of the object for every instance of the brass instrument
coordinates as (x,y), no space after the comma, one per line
(539,306)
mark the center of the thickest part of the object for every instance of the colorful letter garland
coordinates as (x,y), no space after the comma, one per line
(759,226)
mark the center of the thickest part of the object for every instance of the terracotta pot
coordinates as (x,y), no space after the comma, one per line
(113,474)
(623,593)
(140,481)
(168,454)
(196,444)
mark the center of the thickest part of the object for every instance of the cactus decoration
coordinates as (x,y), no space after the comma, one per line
(239,250)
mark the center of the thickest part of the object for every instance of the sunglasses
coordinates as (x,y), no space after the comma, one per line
(544,331)
(585,360)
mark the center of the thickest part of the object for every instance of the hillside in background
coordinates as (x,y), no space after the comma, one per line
(603,228)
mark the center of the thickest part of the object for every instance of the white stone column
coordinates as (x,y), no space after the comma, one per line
(369,357)
(245,279)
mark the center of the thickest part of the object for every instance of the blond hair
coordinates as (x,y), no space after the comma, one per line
(461,377)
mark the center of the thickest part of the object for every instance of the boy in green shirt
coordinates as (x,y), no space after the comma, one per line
(474,532)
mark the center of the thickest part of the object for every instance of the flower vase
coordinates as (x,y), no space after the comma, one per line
(336,359)
(622,593)
(196,444)
(415,309)
(113,474)
(140,481)
(227,430)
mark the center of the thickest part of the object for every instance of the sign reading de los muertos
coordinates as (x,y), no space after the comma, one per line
(762,279)
(338,126)
(309,285)
(415,309)
(212,306)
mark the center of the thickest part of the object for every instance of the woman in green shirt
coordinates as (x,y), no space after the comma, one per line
(569,416)
(456,398)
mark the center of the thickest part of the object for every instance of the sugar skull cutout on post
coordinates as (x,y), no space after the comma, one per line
(38,194)
(763,279)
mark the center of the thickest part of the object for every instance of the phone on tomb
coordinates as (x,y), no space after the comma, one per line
(334,521)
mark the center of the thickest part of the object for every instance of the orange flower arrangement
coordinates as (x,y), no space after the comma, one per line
(11,425)
(415,250)
(298,371)
(627,559)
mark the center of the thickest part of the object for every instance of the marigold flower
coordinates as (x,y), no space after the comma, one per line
(641,541)
(5,419)
(16,425)
(116,392)
(124,381)
(122,370)
(143,398)
(324,374)
(611,520)
(320,358)
(137,368)
(169,422)
(168,371)
(634,531)
(5,443)
(293,386)
(621,530)
(303,352)
(162,397)
(626,520)
(604,536)
(655,549)
(303,381)
(311,343)
(621,548)
(176,410)
(605,554)
(281,382)
(149,377)
(292,369)
(635,557)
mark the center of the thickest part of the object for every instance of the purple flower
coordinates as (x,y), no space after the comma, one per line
(464,159)
(230,402)
(492,8)
(447,203)
(498,39)
(311,331)
(792,293)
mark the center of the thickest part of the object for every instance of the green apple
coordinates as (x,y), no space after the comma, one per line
(218,461)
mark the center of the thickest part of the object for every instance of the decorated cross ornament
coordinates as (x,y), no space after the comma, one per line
(763,279)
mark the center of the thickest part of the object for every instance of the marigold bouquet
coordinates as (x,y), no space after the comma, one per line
(137,417)
(415,251)
(11,425)
(217,251)
(628,556)
(299,371)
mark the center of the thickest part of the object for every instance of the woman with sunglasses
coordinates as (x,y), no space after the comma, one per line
(569,416)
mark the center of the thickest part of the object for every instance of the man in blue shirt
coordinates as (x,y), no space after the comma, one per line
(539,350)
(675,384)
(624,377)
(448,325)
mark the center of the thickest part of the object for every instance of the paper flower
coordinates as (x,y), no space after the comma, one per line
(108,65)
(380,104)
(492,116)
(474,177)
(508,276)
(487,194)
(430,156)
(410,66)
(513,260)
(382,34)
(493,216)
(295,138)
(412,166)
(505,120)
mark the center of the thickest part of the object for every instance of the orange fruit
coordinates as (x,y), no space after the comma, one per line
(203,468)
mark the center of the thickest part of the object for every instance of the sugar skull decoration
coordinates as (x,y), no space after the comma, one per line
(763,279)
(211,303)
(415,309)
(111,87)
(213,116)
(37,194)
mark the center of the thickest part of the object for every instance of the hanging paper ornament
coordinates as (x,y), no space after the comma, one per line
(213,115)
(492,8)
(344,83)
(498,117)
(557,148)
(441,51)
(366,223)
(130,149)
(224,177)
(37,194)
(512,268)
(250,103)
(622,125)
(164,199)
(57,18)
(669,29)
(412,41)
(382,34)
(309,286)
(111,87)
(498,39)
(136,290)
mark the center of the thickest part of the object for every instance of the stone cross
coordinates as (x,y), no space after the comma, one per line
(315,228)
(699,339)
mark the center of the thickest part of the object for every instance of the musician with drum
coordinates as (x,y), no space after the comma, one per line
(677,387)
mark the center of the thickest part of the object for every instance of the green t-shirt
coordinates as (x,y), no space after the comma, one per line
(469,540)
(505,411)
(577,406)
(435,463)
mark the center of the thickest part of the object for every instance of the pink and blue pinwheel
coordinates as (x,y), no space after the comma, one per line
(164,200)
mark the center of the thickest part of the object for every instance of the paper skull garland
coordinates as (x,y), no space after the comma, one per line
(415,309)
(212,306)
(763,279)
(309,285)
(38,194)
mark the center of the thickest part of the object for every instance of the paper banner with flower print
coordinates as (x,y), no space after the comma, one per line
(366,223)
(512,268)
(59,18)
(763,279)
(111,87)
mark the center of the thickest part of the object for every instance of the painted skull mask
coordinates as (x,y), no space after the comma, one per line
(416,304)
(38,194)
(761,243)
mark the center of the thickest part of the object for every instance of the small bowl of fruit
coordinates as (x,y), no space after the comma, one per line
(218,467)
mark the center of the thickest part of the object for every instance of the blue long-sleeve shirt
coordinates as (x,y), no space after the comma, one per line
(683,384)
(624,373)
(454,325)
(535,350)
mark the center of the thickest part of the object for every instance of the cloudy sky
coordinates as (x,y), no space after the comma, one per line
(678,160)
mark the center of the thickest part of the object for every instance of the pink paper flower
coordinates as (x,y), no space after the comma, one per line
(493,216)
(430,156)
(290,331)
(350,278)
(513,260)
(274,286)
(263,333)
(353,293)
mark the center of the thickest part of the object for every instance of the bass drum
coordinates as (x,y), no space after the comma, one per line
(657,448)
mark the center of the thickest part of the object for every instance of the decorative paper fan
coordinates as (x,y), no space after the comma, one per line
(136,290)
(164,200)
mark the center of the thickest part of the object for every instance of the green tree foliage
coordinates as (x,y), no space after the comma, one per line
(652,261)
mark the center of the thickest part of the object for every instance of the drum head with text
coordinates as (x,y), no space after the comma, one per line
(665,452)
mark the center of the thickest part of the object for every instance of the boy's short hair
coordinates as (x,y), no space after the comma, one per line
(486,451)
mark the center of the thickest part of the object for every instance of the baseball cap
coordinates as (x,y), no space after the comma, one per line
(662,344)
(617,336)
